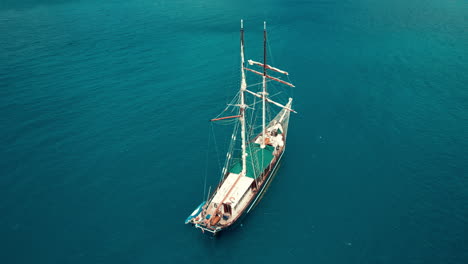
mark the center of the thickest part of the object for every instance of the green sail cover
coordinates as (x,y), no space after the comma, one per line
(258,160)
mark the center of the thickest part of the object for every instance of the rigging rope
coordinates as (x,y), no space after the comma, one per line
(206,165)
(230,152)
(216,146)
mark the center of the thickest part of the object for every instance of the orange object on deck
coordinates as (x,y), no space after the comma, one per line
(267,141)
(215,220)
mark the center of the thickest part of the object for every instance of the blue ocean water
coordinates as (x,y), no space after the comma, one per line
(103,130)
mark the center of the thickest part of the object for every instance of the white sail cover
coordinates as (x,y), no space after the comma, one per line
(251,62)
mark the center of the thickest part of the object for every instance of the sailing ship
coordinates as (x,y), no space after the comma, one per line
(245,179)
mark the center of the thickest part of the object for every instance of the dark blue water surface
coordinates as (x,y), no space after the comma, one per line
(103,130)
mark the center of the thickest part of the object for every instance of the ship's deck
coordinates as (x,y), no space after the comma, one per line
(258,160)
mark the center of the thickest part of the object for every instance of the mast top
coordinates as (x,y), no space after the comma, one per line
(264,25)
(242,23)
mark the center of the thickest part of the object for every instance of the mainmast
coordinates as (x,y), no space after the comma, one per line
(264,86)
(242,103)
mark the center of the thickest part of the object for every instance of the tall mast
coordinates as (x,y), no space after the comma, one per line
(264,86)
(242,103)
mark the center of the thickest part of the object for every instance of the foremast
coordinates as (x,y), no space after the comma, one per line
(242,103)
(264,94)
